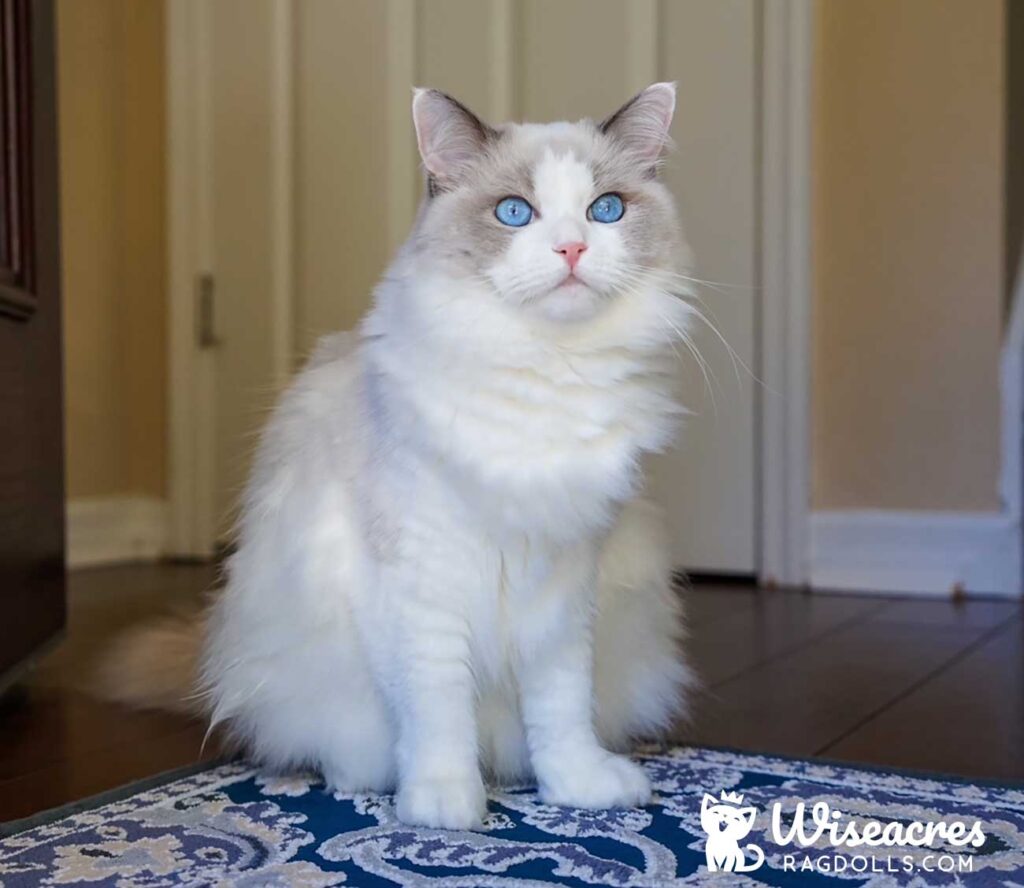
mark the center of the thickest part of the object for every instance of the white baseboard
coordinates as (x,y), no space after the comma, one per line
(112,530)
(927,553)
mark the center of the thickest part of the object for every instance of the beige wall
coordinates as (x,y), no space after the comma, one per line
(111,90)
(908,209)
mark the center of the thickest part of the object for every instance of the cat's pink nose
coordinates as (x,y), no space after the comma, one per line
(571,252)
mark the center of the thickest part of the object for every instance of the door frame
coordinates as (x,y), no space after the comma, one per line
(784,325)
(783,341)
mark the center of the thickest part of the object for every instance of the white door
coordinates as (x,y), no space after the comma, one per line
(231,235)
(312,179)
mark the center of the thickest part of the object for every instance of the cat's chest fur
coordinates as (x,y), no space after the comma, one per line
(550,447)
(539,430)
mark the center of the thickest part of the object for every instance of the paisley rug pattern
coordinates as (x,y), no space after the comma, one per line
(232,825)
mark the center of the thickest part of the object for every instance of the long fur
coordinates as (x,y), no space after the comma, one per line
(445,565)
(154,666)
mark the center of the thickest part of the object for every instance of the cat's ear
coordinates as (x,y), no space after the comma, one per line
(641,125)
(709,802)
(749,815)
(449,135)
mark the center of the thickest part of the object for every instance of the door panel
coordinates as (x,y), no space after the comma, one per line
(242,215)
(709,482)
(31,425)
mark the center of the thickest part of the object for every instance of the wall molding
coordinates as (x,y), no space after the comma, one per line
(112,530)
(923,553)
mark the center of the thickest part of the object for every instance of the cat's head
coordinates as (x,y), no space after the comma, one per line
(721,818)
(556,219)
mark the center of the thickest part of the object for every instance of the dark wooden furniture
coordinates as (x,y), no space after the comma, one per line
(31,426)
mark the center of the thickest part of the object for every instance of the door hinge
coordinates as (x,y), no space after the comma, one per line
(206,317)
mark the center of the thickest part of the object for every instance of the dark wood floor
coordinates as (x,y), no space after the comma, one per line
(919,684)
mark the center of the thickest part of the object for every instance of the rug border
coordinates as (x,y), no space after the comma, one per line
(115,794)
(118,793)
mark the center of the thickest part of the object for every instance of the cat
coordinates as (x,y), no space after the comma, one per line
(726,824)
(446,568)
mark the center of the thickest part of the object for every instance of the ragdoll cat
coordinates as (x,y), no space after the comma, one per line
(444,566)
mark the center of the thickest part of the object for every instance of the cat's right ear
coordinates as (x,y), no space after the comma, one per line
(641,125)
(450,136)
(709,802)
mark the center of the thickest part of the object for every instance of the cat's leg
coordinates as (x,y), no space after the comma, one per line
(641,677)
(555,675)
(433,696)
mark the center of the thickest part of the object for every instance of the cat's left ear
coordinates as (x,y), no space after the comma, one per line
(449,135)
(641,125)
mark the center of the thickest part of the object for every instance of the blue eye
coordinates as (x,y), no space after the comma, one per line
(513,211)
(607,208)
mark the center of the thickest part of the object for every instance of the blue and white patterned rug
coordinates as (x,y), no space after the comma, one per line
(230,825)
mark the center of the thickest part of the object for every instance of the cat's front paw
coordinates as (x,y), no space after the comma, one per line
(443,802)
(597,780)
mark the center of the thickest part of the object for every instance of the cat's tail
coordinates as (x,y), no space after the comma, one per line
(749,865)
(155,666)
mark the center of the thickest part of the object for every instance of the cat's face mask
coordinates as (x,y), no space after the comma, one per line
(557,218)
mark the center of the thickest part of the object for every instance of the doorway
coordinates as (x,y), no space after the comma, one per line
(294,173)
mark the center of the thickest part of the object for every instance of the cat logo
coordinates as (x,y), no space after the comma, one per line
(726,822)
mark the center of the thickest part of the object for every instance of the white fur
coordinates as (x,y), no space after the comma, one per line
(531,271)
(444,564)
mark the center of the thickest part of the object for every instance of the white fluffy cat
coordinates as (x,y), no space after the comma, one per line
(444,567)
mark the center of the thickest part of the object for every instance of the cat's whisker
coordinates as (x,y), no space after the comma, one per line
(709,377)
(734,356)
(736,359)
(710,381)
(720,286)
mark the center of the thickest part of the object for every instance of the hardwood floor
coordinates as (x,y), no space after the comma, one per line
(58,743)
(935,685)
(918,684)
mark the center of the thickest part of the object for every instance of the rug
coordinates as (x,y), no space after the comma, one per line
(232,825)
